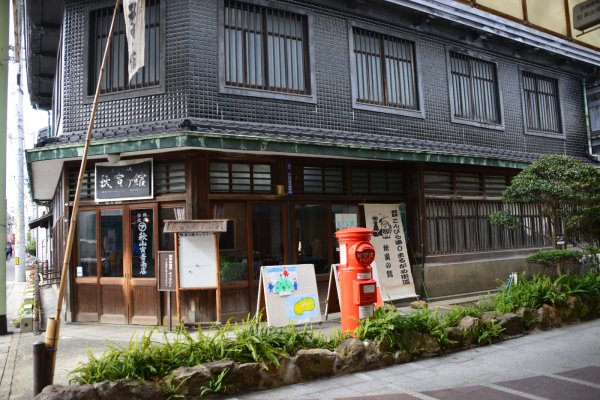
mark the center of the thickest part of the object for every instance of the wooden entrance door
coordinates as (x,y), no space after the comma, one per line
(115,280)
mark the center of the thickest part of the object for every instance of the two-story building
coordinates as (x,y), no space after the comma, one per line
(279,115)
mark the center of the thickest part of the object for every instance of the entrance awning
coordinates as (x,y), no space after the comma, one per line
(41,222)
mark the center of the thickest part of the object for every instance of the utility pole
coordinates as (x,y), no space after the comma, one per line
(20,243)
(4,21)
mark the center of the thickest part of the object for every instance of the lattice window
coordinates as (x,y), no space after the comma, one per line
(541,103)
(385,70)
(230,177)
(266,49)
(376,181)
(116,77)
(474,89)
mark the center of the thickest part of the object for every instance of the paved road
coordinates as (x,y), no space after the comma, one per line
(561,364)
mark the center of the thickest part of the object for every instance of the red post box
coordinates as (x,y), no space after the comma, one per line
(357,286)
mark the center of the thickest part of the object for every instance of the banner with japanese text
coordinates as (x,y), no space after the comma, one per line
(391,268)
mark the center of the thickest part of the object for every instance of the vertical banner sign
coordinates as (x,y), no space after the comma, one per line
(391,266)
(135,23)
(142,262)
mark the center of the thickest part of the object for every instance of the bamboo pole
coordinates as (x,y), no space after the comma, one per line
(52,333)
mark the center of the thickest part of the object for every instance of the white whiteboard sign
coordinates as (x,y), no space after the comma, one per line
(197,260)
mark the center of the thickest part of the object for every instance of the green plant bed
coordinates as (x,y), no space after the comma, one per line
(252,356)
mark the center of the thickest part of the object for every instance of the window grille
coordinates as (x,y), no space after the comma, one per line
(541,103)
(87,186)
(227,177)
(169,178)
(463,226)
(266,49)
(373,181)
(315,180)
(385,70)
(440,183)
(116,77)
(474,89)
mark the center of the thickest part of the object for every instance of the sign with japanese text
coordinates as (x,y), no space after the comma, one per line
(166,271)
(142,252)
(125,180)
(586,14)
(391,268)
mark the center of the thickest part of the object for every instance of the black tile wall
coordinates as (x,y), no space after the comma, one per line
(191,88)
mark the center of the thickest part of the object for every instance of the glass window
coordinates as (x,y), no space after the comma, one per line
(167,241)
(265,48)
(312,244)
(233,253)
(385,70)
(474,89)
(142,243)
(116,77)
(267,236)
(86,251)
(541,103)
(111,236)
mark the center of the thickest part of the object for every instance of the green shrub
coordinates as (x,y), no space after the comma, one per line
(555,258)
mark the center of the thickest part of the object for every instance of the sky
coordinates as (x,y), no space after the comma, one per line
(33,120)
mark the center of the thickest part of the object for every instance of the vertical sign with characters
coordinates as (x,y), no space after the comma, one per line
(391,266)
(141,241)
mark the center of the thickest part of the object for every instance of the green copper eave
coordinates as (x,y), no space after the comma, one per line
(254,144)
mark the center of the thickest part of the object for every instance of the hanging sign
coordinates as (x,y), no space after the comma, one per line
(166,271)
(391,268)
(125,180)
(586,14)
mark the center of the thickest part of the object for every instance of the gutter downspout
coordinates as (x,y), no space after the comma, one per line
(588,130)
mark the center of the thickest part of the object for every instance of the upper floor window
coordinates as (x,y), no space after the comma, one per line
(541,103)
(266,49)
(116,78)
(474,84)
(385,70)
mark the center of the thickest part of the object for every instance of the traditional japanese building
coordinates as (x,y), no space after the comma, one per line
(281,115)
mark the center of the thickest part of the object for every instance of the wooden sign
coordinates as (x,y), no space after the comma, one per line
(125,180)
(290,293)
(166,271)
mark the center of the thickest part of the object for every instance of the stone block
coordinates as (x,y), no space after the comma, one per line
(26,324)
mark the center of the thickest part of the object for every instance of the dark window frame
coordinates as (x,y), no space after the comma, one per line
(252,179)
(419,111)
(310,78)
(560,134)
(499,125)
(88,97)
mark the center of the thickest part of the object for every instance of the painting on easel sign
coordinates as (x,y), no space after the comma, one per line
(291,295)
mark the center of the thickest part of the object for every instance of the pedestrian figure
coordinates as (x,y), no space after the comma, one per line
(8,250)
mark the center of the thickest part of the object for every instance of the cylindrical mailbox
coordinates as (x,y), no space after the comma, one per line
(357,286)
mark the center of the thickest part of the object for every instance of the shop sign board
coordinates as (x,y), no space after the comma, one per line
(391,268)
(586,14)
(166,271)
(124,180)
